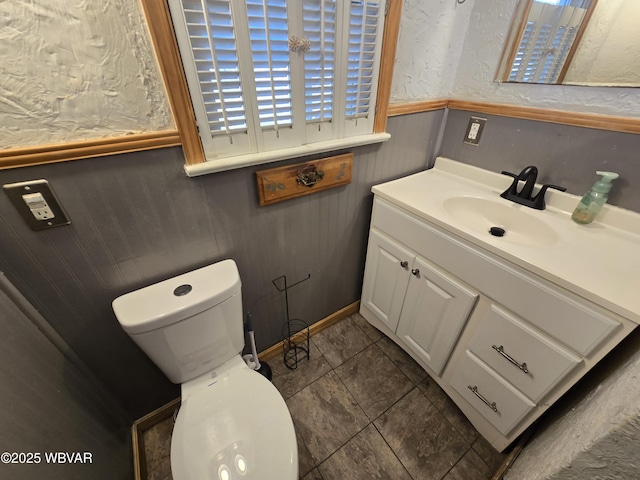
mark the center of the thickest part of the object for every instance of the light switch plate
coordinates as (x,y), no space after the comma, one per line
(54,215)
(474,130)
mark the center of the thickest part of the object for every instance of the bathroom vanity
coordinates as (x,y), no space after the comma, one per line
(505,324)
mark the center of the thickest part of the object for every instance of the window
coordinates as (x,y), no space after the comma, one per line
(272,79)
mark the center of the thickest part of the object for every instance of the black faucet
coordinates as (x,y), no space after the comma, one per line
(525,195)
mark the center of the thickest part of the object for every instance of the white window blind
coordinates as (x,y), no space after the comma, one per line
(319,20)
(270,75)
(363,33)
(551,28)
(269,38)
(215,55)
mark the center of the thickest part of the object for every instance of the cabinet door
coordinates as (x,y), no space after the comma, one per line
(436,307)
(385,278)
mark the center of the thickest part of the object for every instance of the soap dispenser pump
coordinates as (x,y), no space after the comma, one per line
(594,199)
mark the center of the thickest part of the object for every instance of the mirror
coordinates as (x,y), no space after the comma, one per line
(573,42)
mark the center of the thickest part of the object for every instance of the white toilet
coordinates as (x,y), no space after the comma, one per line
(233,423)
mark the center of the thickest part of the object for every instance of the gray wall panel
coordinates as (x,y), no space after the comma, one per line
(48,405)
(137,219)
(565,155)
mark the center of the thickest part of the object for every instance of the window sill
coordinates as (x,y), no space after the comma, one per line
(240,161)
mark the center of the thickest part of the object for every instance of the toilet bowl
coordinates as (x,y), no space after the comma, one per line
(232,423)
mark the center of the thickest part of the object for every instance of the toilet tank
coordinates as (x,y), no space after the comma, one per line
(189,324)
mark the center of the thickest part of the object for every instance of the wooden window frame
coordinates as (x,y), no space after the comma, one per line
(166,46)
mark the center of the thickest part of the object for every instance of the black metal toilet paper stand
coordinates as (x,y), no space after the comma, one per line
(295,332)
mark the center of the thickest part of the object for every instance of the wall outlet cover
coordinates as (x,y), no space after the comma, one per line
(39,211)
(474,130)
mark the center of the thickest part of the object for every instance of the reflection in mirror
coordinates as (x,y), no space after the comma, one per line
(574,42)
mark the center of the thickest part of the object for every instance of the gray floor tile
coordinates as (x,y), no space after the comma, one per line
(372,332)
(424,441)
(157,441)
(313,475)
(461,423)
(305,461)
(160,469)
(373,380)
(403,360)
(289,382)
(434,392)
(490,455)
(341,341)
(424,429)
(470,467)
(365,457)
(448,408)
(326,416)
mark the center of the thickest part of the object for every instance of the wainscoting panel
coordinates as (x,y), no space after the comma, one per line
(565,155)
(137,219)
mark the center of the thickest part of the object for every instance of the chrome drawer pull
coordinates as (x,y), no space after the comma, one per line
(522,366)
(491,405)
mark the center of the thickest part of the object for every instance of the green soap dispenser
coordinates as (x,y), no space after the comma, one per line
(594,199)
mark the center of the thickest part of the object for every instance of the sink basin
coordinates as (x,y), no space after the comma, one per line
(481,214)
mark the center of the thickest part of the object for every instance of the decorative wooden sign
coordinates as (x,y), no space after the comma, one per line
(291,181)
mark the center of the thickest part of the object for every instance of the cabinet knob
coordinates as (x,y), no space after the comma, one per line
(404,264)
(415,271)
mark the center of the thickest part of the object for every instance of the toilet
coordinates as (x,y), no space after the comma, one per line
(232,423)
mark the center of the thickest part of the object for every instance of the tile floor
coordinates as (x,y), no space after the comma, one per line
(363,409)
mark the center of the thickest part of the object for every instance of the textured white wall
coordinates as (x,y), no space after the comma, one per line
(76,70)
(451,50)
(429,45)
(598,438)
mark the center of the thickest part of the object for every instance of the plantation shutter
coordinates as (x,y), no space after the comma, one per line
(268,75)
(207,34)
(319,21)
(546,41)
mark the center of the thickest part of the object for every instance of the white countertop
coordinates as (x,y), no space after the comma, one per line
(599,261)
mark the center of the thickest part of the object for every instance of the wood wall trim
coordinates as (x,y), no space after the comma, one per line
(563,117)
(387,60)
(416,107)
(23,157)
(326,322)
(166,48)
(578,119)
(137,437)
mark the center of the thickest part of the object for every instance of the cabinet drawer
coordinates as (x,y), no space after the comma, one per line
(501,404)
(558,312)
(529,360)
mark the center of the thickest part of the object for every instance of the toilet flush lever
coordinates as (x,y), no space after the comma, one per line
(182,290)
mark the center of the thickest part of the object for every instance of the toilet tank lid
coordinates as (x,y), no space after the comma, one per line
(177,298)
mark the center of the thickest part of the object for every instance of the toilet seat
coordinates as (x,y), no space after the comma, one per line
(233,424)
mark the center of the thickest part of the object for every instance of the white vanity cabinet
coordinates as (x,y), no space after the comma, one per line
(502,342)
(423,305)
